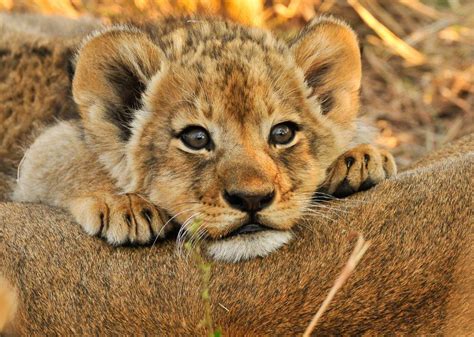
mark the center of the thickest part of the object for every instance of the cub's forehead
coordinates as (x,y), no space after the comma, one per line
(223,52)
(217,39)
(248,93)
(224,72)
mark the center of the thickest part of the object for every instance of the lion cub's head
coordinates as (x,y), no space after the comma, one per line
(222,123)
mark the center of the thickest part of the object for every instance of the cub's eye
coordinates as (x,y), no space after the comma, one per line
(196,138)
(283,133)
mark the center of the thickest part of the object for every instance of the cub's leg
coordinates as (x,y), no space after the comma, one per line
(59,170)
(358,170)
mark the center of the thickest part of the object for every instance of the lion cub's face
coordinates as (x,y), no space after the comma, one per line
(221,124)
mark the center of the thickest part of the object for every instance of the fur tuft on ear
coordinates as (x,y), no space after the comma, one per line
(113,70)
(327,51)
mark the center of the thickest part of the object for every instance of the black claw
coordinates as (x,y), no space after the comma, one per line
(128,219)
(147,214)
(344,189)
(366,159)
(322,194)
(102,224)
(349,161)
(368,183)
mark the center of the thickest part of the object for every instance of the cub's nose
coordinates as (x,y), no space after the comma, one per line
(250,203)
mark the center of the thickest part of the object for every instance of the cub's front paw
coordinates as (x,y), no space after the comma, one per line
(120,219)
(358,170)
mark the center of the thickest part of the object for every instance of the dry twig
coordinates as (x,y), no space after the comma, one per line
(410,54)
(359,251)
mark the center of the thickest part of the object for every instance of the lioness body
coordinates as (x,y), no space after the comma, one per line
(415,279)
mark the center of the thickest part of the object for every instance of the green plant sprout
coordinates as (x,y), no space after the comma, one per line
(205,269)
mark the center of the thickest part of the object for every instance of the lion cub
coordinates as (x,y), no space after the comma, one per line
(211,121)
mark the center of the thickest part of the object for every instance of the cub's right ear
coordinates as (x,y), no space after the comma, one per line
(327,50)
(112,72)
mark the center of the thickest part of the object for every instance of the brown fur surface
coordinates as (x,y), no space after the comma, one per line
(415,279)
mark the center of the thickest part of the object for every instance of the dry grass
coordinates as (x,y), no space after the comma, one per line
(419,74)
(357,253)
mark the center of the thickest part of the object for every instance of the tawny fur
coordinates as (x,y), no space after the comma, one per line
(139,87)
(416,278)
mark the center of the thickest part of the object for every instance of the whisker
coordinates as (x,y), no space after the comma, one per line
(303,224)
(167,222)
(195,241)
(328,208)
(187,203)
(195,235)
(327,217)
(183,231)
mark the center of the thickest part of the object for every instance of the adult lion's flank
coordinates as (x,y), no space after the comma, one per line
(206,119)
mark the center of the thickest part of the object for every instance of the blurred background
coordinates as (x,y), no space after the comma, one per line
(418,86)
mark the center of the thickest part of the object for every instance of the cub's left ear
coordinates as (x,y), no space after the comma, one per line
(113,70)
(327,51)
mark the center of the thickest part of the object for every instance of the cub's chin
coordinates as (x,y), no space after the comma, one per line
(246,246)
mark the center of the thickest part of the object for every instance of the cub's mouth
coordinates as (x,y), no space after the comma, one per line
(249,241)
(248,229)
